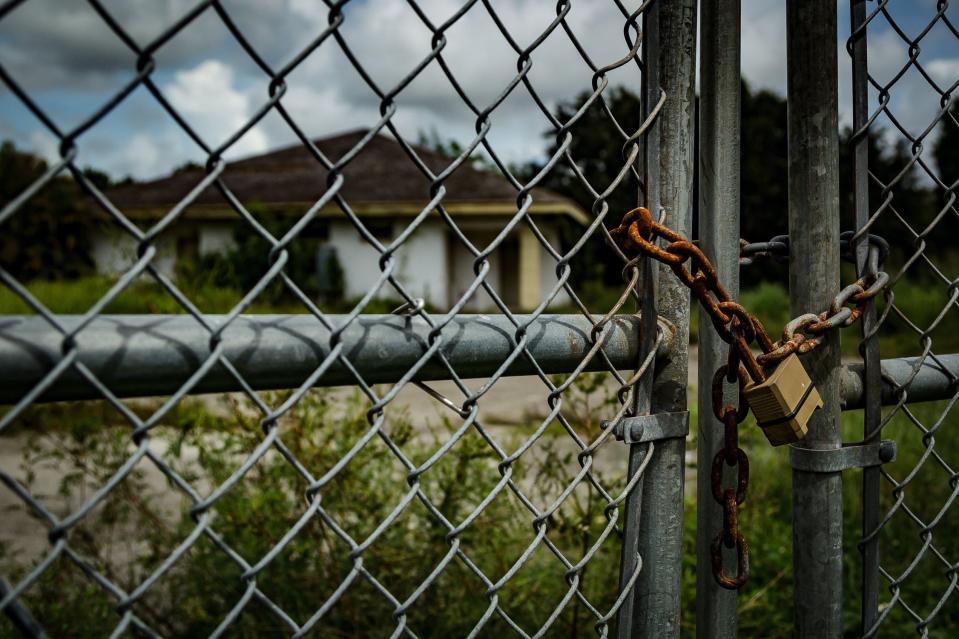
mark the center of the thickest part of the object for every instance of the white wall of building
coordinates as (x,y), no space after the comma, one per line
(115,252)
(430,265)
(421,262)
(215,237)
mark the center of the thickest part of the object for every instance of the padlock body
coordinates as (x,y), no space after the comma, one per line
(784,402)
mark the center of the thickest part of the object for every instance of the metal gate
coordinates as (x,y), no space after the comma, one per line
(328,468)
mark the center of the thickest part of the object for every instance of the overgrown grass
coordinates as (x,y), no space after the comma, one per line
(765,602)
(205,444)
(139,525)
(921,306)
(921,528)
(765,605)
(146,296)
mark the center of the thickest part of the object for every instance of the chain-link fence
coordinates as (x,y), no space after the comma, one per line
(382,383)
(405,507)
(903,97)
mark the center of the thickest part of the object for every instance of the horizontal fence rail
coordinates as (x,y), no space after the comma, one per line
(149,355)
(906,379)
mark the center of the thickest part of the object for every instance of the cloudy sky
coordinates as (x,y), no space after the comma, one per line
(70,62)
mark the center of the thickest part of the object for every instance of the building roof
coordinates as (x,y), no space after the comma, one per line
(380,180)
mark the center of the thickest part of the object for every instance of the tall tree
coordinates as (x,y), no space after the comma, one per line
(897,192)
(596,148)
(764,177)
(49,235)
(597,152)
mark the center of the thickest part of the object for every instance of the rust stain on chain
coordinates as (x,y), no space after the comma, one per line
(637,234)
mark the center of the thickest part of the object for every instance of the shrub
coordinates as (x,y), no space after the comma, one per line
(49,235)
(205,441)
(139,525)
(244,266)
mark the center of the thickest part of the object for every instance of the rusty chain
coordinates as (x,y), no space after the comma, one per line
(777,248)
(638,233)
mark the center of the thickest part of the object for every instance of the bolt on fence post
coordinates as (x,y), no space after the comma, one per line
(872,379)
(812,97)
(719,169)
(670,58)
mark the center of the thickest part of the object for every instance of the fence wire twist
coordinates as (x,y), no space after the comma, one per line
(128,600)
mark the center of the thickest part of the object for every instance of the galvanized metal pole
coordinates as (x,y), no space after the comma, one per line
(142,355)
(813,281)
(872,378)
(719,166)
(669,157)
(929,379)
(634,554)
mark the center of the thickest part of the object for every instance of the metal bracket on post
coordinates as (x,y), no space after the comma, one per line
(836,460)
(648,428)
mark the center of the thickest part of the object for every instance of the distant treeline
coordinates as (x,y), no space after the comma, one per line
(921,176)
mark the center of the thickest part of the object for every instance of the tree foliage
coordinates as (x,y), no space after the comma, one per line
(597,144)
(49,235)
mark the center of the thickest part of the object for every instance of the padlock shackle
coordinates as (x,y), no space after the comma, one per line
(749,361)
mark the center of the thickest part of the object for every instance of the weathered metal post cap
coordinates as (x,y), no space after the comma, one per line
(784,402)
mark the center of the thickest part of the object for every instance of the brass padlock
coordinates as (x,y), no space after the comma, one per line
(784,402)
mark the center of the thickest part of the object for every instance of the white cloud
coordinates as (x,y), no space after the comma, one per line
(137,156)
(887,54)
(389,39)
(944,70)
(141,155)
(208,100)
(53,44)
(216,87)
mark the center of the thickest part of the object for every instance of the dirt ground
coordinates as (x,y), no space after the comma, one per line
(510,401)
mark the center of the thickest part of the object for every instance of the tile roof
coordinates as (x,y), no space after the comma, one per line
(380,173)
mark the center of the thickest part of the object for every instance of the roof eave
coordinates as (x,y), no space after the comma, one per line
(371,209)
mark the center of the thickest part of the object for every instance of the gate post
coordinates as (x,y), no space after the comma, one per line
(657,604)
(719,169)
(813,282)
(653,608)
(872,382)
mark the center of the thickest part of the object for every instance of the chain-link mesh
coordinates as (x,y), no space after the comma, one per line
(907,126)
(320,510)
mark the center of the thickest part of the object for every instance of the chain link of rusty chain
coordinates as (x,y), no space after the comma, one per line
(638,233)
(777,248)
